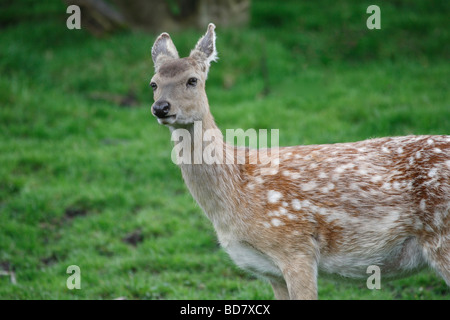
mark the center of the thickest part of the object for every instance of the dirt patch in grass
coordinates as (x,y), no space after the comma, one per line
(134,238)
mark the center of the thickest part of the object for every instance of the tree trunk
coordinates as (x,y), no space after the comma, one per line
(169,15)
(100,16)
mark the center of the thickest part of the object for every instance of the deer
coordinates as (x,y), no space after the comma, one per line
(329,208)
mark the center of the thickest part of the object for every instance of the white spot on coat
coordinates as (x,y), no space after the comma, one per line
(273,196)
(322,175)
(273,213)
(376,178)
(296,205)
(422,204)
(340,169)
(276,222)
(386,186)
(309,186)
(362,171)
(305,203)
(295,176)
(432,172)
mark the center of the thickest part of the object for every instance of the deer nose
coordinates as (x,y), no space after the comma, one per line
(161,109)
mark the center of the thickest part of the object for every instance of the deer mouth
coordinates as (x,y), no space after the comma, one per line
(169,119)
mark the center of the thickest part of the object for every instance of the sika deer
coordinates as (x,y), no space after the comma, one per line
(332,208)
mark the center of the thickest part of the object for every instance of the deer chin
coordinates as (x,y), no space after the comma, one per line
(168,120)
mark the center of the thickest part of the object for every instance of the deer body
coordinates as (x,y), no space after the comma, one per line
(331,208)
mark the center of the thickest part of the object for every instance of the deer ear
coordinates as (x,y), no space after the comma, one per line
(205,49)
(163,49)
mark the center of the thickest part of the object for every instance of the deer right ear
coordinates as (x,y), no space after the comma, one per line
(205,49)
(163,49)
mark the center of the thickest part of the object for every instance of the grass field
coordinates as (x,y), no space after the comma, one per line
(85,171)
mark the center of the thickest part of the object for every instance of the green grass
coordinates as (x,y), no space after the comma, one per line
(86,181)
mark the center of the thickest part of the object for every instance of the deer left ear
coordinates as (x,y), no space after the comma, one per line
(205,49)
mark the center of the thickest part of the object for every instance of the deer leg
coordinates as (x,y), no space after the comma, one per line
(280,289)
(438,254)
(301,278)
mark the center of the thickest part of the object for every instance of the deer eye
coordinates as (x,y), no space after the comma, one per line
(192,82)
(153,85)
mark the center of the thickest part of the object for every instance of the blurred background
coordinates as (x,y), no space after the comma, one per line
(85,172)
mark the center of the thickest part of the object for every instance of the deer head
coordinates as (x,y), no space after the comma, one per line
(179,83)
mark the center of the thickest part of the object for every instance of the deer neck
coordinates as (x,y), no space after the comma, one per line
(212,182)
